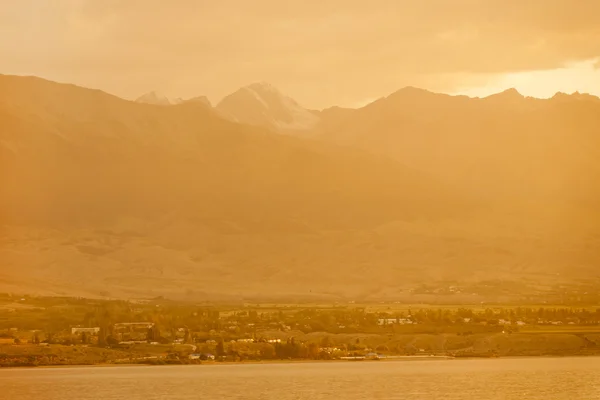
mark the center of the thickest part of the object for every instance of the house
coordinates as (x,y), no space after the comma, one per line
(201,356)
(329,349)
(90,331)
(386,321)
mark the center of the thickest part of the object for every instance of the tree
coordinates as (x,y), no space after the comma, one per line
(221,348)
(51,338)
(17,341)
(150,335)
(102,338)
(313,350)
(111,340)
(267,352)
(153,334)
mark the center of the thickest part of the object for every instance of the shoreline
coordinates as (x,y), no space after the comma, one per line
(259,362)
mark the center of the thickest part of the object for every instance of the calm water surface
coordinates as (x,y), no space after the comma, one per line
(506,379)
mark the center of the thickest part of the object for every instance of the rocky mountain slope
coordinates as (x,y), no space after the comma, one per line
(505,147)
(96,178)
(106,197)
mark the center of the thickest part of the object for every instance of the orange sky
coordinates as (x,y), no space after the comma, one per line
(321,52)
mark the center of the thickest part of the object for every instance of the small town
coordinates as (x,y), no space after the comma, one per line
(75,331)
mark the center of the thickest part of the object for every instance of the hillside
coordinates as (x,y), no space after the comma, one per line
(101,191)
(107,197)
(505,147)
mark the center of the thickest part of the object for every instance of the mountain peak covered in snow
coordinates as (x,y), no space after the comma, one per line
(198,100)
(158,98)
(262,104)
(154,98)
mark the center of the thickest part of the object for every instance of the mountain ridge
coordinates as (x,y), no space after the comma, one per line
(107,197)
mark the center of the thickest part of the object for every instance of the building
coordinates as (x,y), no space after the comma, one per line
(200,356)
(392,321)
(90,331)
(386,321)
(136,331)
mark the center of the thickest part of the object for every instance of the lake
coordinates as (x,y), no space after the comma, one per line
(482,379)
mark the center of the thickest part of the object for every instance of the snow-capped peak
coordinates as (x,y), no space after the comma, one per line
(262,104)
(154,98)
(199,100)
(160,99)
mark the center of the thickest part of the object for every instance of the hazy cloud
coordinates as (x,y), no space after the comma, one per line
(322,52)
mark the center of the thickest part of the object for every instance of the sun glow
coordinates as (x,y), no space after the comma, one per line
(583,77)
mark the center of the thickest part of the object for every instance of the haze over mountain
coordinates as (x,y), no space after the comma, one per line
(154,98)
(103,196)
(505,147)
(263,105)
(162,100)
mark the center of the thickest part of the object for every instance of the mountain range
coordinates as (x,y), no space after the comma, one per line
(259,197)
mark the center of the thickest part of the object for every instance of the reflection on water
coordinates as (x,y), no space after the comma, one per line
(496,379)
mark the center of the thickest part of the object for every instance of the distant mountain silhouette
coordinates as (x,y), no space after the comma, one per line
(103,196)
(177,197)
(504,146)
